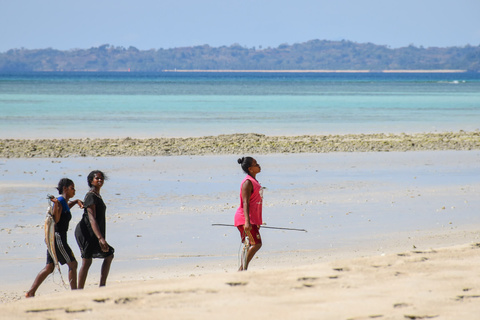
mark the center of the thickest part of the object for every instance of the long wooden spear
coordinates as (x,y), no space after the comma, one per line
(266,227)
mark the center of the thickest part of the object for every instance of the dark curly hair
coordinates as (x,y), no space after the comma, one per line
(245,162)
(64,183)
(92,174)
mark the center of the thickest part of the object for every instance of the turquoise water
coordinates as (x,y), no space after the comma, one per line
(60,105)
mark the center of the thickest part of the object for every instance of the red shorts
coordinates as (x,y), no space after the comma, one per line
(253,235)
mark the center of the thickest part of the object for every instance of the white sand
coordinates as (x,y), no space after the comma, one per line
(354,205)
(440,284)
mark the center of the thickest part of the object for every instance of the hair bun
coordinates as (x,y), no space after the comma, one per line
(240,160)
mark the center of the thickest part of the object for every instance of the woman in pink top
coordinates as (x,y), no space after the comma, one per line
(248,217)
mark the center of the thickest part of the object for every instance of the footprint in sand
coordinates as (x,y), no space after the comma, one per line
(124,300)
(466,297)
(307,281)
(401,305)
(424,252)
(414,317)
(77,310)
(374,316)
(341,269)
(236,284)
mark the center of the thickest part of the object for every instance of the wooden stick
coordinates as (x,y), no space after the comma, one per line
(266,227)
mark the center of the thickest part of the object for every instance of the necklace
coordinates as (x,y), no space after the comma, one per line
(96,193)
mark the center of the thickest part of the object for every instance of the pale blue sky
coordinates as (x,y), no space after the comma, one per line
(154,24)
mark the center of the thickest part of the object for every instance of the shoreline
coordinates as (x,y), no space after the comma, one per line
(237,144)
(272,71)
(322,71)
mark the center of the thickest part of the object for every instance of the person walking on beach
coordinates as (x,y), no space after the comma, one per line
(62,216)
(248,217)
(90,231)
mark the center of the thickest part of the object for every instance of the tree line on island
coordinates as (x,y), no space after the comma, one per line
(310,55)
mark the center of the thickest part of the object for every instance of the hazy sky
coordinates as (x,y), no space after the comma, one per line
(154,24)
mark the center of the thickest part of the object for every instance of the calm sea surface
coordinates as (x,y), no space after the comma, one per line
(62,105)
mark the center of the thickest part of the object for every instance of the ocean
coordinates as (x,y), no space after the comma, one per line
(142,105)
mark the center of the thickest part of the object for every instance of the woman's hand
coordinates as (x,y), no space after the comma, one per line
(103,245)
(71,204)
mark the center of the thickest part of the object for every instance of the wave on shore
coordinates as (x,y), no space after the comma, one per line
(237,144)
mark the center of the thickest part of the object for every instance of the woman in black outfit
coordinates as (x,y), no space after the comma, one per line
(90,231)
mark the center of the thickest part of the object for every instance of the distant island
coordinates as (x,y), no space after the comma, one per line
(310,56)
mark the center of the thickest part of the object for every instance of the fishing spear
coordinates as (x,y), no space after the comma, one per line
(266,227)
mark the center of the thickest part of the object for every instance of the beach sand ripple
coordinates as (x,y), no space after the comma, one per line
(439,284)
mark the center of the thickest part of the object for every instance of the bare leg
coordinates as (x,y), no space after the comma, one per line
(82,274)
(41,276)
(251,252)
(72,274)
(105,270)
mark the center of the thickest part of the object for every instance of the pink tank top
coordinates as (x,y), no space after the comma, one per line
(255,207)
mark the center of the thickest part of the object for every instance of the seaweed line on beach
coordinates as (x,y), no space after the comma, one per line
(251,143)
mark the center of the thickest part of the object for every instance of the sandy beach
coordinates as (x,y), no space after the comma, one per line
(432,284)
(391,235)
